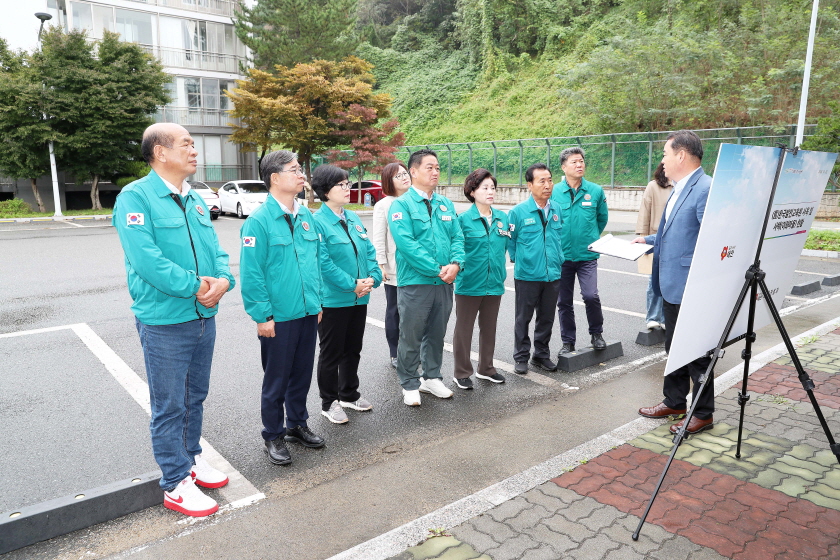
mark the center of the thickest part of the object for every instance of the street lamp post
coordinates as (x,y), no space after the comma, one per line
(43,16)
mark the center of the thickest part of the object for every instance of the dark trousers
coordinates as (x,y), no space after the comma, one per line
(466,309)
(587,274)
(392,319)
(540,297)
(287,361)
(341,332)
(675,387)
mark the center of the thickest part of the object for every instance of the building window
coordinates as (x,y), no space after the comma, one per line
(135,27)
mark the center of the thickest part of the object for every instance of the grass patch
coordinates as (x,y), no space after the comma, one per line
(823,240)
(16,208)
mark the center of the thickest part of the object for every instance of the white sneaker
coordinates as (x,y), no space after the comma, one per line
(207,476)
(411,398)
(435,387)
(335,414)
(362,404)
(188,499)
(652,325)
(662,325)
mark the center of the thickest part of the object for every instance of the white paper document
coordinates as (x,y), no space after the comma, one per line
(614,247)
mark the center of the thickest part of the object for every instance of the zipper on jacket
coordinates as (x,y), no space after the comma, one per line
(355,250)
(489,250)
(297,260)
(545,245)
(180,203)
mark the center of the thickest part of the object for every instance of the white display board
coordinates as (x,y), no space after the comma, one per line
(729,236)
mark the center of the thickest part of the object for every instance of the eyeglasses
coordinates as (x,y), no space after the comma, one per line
(345,185)
(403,175)
(295,170)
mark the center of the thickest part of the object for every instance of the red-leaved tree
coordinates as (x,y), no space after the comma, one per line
(372,146)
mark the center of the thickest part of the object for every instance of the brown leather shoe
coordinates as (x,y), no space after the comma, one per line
(660,411)
(695,426)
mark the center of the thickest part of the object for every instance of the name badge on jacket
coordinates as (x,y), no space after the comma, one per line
(586,204)
(446,218)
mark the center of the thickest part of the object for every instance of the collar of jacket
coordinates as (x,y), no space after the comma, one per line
(473,213)
(532,206)
(416,196)
(159,187)
(276,212)
(326,212)
(584,185)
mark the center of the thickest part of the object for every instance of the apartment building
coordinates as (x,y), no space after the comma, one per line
(196,43)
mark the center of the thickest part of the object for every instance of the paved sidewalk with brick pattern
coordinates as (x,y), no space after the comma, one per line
(780,500)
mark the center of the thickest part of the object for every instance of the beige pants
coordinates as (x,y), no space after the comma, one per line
(466,310)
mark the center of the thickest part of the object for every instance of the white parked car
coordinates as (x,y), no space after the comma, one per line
(210,197)
(242,197)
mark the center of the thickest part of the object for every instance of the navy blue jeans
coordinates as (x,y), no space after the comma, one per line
(287,361)
(587,274)
(178,359)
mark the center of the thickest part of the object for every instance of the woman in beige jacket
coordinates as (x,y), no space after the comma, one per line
(395,182)
(650,214)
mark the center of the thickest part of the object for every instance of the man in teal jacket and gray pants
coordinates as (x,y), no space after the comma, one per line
(177,273)
(430,253)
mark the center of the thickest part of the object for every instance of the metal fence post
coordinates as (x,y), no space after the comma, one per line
(738,132)
(471,160)
(449,171)
(548,152)
(494,160)
(650,156)
(520,161)
(612,163)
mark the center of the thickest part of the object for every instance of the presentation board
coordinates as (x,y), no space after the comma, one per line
(729,237)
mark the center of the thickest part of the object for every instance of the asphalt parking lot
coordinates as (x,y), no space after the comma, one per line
(64,274)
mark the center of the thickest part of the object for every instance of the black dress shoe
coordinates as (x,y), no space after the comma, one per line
(277,451)
(567,348)
(521,368)
(598,342)
(544,363)
(304,436)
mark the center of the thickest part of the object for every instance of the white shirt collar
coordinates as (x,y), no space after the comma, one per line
(423,193)
(185,188)
(340,212)
(682,182)
(295,206)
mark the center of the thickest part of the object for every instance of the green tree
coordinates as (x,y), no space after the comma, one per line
(827,139)
(287,32)
(297,107)
(101,96)
(24,132)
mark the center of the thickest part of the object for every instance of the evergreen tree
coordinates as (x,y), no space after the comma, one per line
(287,32)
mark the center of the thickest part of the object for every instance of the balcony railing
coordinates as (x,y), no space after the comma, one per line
(184,58)
(217,7)
(221,173)
(194,116)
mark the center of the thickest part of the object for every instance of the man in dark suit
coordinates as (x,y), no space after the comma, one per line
(673,251)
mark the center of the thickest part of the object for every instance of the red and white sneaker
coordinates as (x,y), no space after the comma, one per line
(207,476)
(186,498)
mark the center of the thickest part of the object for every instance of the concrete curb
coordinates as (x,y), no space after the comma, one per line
(399,539)
(821,254)
(39,522)
(55,219)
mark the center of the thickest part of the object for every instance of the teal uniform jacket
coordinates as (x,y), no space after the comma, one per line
(278,269)
(346,256)
(167,247)
(484,245)
(425,243)
(584,219)
(535,247)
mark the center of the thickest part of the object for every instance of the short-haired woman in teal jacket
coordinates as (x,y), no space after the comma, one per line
(349,271)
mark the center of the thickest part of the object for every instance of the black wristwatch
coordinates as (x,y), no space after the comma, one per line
(269,318)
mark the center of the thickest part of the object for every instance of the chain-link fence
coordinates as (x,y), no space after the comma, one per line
(619,160)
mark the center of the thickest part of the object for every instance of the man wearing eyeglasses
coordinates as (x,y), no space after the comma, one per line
(430,253)
(281,290)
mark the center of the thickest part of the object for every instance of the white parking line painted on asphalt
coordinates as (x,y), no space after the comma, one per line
(510,267)
(397,540)
(238,492)
(806,305)
(538,378)
(239,489)
(796,297)
(613,309)
(814,273)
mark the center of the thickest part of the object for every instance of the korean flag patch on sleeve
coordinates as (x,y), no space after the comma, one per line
(249,241)
(134,219)
(396,216)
